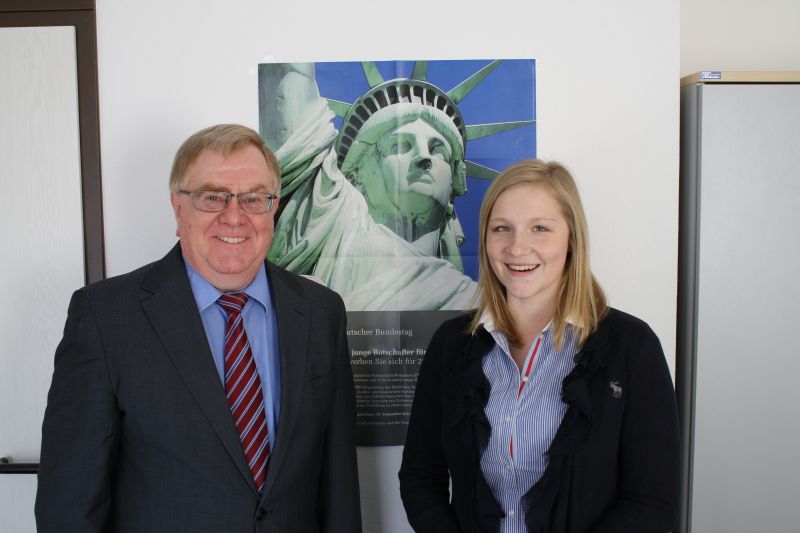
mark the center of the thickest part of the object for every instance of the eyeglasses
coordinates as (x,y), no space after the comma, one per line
(254,203)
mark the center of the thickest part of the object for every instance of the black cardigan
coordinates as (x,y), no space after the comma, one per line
(613,464)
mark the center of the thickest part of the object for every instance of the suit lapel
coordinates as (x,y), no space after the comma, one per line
(173,313)
(292,314)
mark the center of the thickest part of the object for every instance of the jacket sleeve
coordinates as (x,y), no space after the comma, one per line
(339,504)
(80,431)
(424,476)
(649,454)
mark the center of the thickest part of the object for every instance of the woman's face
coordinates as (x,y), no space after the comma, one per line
(527,239)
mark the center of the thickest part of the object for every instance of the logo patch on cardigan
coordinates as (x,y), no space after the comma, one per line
(616,389)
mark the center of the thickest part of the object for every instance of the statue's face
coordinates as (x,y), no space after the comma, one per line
(415,163)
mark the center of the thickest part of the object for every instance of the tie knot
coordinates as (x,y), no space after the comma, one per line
(232,302)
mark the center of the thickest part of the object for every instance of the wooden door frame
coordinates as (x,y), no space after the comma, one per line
(80,14)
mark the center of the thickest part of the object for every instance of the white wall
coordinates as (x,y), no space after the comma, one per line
(607,100)
(739,35)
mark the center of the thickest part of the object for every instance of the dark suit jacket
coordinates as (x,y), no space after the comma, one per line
(138,436)
(613,465)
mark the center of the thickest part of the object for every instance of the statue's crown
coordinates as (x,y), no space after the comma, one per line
(430,100)
(387,94)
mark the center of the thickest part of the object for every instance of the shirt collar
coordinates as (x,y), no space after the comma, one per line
(488,323)
(500,338)
(206,295)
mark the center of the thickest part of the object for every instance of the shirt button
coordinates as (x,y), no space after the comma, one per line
(508,419)
(511,512)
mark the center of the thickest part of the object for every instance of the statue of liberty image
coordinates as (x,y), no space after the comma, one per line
(369,209)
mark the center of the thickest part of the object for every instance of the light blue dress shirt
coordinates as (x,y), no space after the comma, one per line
(262,332)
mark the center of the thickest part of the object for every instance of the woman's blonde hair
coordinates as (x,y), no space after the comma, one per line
(580,300)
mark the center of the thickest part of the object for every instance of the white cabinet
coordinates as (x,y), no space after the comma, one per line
(738,368)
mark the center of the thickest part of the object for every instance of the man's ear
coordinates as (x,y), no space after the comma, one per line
(174,199)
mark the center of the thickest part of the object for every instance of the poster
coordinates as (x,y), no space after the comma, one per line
(384,165)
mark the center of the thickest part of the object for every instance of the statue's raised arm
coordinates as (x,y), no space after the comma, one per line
(287,91)
(298,125)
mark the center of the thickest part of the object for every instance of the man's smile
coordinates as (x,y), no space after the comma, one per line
(231,240)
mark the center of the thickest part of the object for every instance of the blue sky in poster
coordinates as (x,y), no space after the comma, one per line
(507,94)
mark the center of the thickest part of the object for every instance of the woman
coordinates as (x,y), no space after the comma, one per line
(545,409)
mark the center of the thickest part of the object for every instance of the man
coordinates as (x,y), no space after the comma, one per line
(372,216)
(210,390)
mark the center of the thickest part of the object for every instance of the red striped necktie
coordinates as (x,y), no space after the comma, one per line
(243,388)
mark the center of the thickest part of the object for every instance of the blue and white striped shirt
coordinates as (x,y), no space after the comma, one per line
(530,420)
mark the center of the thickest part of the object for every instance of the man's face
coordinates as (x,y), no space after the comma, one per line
(415,162)
(226,248)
